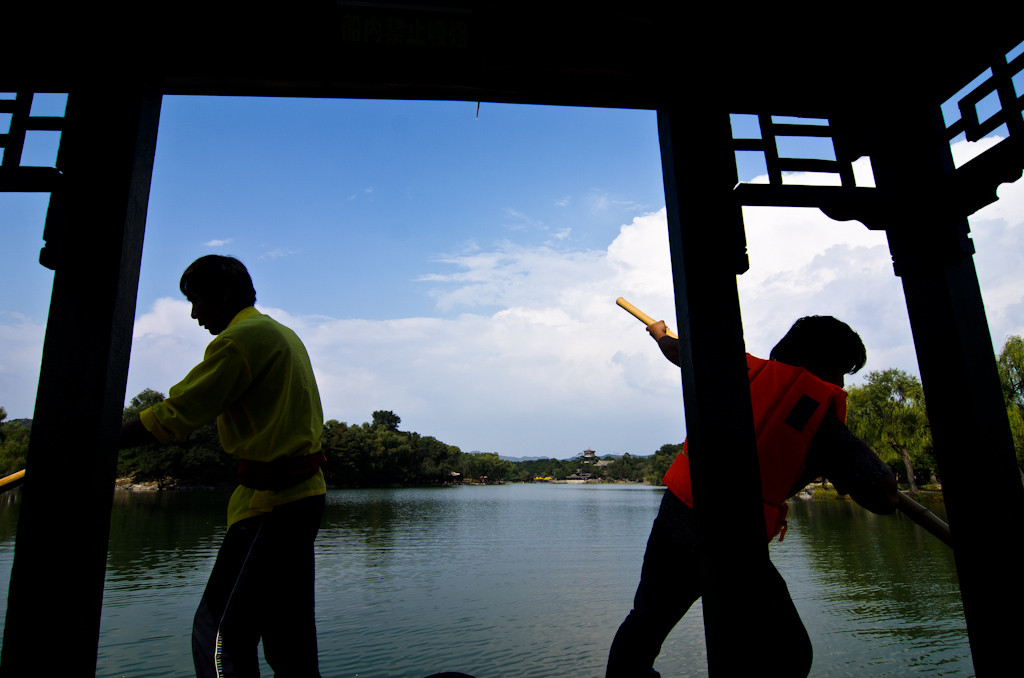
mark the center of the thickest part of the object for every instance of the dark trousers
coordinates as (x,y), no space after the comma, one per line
(670,584)
(261,587)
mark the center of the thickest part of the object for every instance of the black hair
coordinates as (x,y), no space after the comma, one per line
(214,274)
(821,344)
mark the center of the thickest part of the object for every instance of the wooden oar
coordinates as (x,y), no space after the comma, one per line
(641,316)
(12,481)
(925,518)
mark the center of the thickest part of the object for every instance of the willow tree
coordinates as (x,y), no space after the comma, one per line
(888,413)
(1011,374)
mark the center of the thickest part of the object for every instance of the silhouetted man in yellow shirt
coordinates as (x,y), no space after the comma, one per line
(256,381)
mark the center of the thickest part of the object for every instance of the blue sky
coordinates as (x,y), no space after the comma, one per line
(462,270)
(373,195)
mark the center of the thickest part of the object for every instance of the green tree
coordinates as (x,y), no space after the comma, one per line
(13,445)
(386,418)
(436,460)
(377,454)
(339,443)
(146,398)
(526,471)
(659,464)
(197,459)
(1011,374)
(627,467)
(139,462)
(888,413)
(485,465)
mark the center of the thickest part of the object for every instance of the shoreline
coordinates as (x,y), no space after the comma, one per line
(813,492)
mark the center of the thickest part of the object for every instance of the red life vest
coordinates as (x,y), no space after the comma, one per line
(789,404)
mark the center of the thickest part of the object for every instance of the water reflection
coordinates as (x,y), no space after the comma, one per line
(886,590)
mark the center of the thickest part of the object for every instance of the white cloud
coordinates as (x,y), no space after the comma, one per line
(558,367)
(804,263)
(965,151)
(277,253)
(166,344)
(509,274)
(217,243)
(521,221)
(998,234)
(542,361)
(600,200)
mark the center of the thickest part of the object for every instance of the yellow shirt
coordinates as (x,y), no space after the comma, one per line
(256,380)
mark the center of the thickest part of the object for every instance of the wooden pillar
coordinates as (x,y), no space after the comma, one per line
(94,233)
(708,249)
(931,253)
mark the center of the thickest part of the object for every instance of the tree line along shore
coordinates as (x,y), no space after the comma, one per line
(887,411)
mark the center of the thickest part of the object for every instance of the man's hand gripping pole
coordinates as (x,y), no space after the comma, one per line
(641,316)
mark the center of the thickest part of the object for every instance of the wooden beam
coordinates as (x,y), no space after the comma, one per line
(708,249)
(973,445)
(56,588)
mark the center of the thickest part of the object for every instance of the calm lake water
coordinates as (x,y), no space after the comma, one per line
(519,580)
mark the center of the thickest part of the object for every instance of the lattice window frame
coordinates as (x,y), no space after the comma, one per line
(14,177)
(1011,112)
(962,191)
(777,165)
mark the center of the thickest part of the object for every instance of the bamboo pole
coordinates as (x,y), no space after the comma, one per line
(641,316)
(925,518)
(12,481)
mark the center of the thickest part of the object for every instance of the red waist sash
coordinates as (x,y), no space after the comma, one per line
(280,473)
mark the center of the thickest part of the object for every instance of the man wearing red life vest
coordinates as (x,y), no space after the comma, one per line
(799,411)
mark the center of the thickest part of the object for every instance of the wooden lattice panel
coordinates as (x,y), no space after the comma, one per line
(14,176)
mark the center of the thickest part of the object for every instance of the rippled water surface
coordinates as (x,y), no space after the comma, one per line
(520,580)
